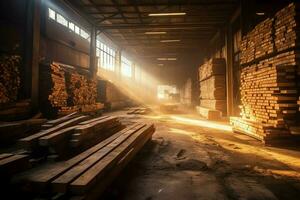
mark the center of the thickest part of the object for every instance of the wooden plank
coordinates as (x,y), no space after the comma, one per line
(13,164)
(31,141)
(93,120)
(90,177)
(106,180)
(5,155)
(40,178)
(57,136)
(61,119)
(60,184)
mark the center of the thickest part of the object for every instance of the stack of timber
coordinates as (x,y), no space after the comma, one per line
(11,164)
(86,175)
(212,84)
(259,42)
(111,96)
(186,93)
(139,111)
(286,27)
(9,78)
(63,137)
(14,111)
(270,86)
(31,143)
(63,91)
(10,132)
(53,93)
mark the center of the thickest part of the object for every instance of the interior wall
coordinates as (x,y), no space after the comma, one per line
(60,44)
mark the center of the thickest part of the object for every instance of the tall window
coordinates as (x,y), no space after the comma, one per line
(107,56)
(126,67)
(67,23)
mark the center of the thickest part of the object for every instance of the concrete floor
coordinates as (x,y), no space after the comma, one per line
(190,158)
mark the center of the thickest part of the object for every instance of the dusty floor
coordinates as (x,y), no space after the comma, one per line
(196,159)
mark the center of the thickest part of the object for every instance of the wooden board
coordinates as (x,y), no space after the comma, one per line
(42,177)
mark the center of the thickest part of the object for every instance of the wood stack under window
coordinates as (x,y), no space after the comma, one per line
(269,85)
(9,78)
(212,87)
(64,91)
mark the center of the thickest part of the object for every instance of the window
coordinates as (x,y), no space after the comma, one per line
(166,92)
(51,13)
(107,56)
(63,21)
(60,19)
(71,26)
(77,29)
(84,34)
(126,68)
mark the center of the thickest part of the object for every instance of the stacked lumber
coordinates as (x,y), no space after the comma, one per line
(86,175)
(10,132)
(53,93)
(81,90)
(212,87)
(270,85)
(63,91)
(286,28)
(11,164)
(9,78)
(31,143)
(258,42)
(14,111)
(186,93)
(111,96)
(138,111)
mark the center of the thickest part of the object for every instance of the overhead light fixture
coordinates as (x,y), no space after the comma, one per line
(166,14)
(161,59)
(260,13)
(155,33)
(164,59)
(167,41)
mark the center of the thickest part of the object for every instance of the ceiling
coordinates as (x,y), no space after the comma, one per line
(126,21)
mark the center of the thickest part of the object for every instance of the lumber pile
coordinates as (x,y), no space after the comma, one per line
(270,84)
(286,28)
(9,78)
(81,90)
(11,164)
(63,137)
(258,42)
(186,93)
(31,143)
(53,93)
(87,174)
(63,91)
(138,111)
(10,132)
(14,111)
(212,84)
(111,96)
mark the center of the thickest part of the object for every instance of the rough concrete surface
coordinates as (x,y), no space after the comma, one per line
(189,160)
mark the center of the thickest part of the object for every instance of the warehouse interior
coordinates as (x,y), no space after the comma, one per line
(150,99)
